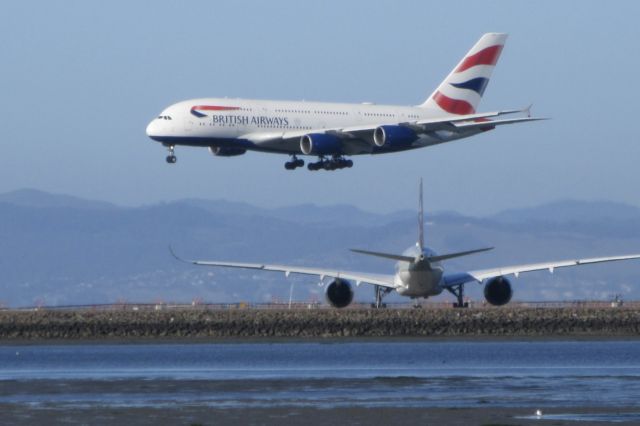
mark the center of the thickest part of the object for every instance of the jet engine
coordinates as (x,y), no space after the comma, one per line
(320,144)
(220,151)
(394,136)
(498,291)
(339,293)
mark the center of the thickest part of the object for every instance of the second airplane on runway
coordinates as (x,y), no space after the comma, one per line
(331,131)
(419,273)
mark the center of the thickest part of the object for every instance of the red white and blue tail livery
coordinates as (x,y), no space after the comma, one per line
(333,131)
(461,91)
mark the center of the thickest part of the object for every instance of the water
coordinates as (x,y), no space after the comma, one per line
(343,374)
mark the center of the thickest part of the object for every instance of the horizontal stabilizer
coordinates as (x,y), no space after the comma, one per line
(440,257)
(490,124)
(436,258)
(398,257)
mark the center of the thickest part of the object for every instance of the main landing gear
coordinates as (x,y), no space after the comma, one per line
(459,294)
(294,163)
(380,293)
(171,158)
(334,163)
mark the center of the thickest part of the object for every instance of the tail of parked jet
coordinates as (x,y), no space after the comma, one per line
(420,244)
(420,221)
(461,91)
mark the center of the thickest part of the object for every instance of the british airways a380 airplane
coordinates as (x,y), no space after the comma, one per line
(331,131)
(419,273)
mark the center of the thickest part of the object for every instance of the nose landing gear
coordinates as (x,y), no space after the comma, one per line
(171,158)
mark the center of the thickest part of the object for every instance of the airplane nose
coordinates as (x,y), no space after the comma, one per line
(151,129)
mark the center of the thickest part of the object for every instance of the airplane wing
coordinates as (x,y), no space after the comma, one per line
(467,122)
(452,280)
(358,277)
(359,139)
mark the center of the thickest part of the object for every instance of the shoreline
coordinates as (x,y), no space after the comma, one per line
(201,415)
(205,325)
(321,340)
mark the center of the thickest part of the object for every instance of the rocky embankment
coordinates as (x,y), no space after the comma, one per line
(317,323)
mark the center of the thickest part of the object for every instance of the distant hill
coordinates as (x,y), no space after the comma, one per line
(303,213)
(597,218)
(571,211)
(58,249)
(35,198)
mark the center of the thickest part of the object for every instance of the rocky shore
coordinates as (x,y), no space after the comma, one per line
(316,323)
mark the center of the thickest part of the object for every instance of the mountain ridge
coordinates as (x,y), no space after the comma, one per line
(63,250)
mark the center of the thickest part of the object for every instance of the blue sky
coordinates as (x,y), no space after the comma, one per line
(80,80)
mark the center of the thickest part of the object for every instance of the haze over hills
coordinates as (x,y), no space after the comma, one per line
(35,198)
(57,249)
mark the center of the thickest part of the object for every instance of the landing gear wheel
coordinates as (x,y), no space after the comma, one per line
(294,163)
(382,306)
(459,294)
(334,163)
(171,158)
(380,292)
(320,164)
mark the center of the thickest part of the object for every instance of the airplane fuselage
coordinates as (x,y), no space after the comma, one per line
(333,131)
(259,125)
(420,278)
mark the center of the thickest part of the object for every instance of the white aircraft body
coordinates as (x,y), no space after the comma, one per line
(331,131)
(419,273)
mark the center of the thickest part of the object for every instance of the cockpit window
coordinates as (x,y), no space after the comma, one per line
(164,117)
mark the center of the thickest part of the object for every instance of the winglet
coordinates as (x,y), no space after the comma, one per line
(173,253)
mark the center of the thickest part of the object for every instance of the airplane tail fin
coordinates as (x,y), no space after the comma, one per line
(461,91)
(420,221)
(429,258)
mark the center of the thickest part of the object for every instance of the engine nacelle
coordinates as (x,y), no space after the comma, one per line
(394,136)
(320,144)
(220,151)
(339,293)
(498,291)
